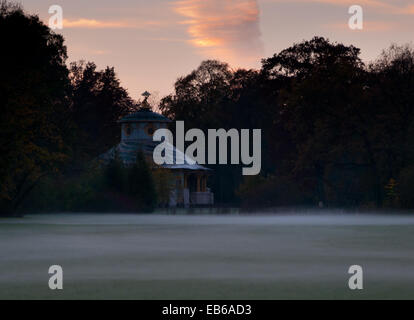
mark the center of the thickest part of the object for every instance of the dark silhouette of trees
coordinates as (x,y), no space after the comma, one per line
(52,119)
(34,86)
(320,107)
(200,96)
(141,184)
(98,102)
(392,99)
(334,130)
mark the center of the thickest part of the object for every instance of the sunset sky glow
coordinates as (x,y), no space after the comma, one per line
(152,43)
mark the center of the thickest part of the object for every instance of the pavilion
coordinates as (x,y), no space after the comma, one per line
(190,179)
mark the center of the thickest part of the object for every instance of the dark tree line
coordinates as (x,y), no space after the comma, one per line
(33,98)
(54,120)
(334,130)
(97,103)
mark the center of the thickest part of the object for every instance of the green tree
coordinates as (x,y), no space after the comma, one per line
(34,128)
(141,184)
(322,107)
(164,185)
(98,102)
(392,86)
(210,97)
(115,175)
(202,92)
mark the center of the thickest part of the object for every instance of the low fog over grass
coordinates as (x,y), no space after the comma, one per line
(207,256)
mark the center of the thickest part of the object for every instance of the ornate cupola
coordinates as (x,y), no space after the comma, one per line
(141,125)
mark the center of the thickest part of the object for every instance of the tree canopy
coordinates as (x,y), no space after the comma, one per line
(34,90)
(334,129)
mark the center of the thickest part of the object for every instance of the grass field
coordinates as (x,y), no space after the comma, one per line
(117,256)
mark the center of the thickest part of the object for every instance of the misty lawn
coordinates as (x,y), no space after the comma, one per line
(284,256)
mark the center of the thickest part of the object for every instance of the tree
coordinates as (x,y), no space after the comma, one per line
(115,175)
(392,83)
(99,102)
(210,97)
(322,107)
(141,184)
(164,185)
(203,92)
(34,126)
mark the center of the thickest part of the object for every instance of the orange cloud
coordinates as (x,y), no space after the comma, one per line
(97,24)
(223,29)
(407,10)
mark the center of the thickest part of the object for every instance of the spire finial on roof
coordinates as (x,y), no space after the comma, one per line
(145,104)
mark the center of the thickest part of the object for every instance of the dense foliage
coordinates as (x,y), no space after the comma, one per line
(97,102)
(55,121)
(34,89)
(111,188)
(334,130)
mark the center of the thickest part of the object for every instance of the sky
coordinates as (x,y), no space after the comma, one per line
(153,42)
